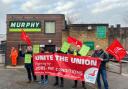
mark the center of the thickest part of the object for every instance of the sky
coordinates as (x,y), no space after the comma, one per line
(80,11)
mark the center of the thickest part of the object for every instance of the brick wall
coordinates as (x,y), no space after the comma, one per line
(13,38)
(89,35)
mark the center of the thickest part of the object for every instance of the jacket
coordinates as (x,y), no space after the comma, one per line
(101,54)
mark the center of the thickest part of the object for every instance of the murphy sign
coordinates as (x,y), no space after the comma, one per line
(28,26)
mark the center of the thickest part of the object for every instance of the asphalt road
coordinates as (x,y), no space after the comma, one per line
(16,79)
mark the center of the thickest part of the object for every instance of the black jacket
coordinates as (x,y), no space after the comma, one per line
(101,54)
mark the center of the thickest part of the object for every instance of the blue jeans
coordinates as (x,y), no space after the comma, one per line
(104,77)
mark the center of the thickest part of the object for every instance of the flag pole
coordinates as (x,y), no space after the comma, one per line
(20,43)
(120,67)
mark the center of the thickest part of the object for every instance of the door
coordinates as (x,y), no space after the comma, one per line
(50,48)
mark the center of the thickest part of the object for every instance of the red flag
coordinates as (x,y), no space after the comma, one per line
(117,50)
(25,37)
(74,41)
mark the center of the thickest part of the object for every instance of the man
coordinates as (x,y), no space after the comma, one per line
(76,82)
(14,55)
(42,76)
(45,77)
(57,78)
(29,65)
(102,70)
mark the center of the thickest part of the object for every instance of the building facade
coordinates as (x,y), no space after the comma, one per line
(43,29)
(50,31)
(89,34)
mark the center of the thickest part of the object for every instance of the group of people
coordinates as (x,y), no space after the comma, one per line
(44,78)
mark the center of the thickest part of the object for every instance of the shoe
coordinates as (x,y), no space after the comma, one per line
(74,86)
(61,85)
(45,82)
(84,87)
(55,84)
(29,81)
(41,82)
(35,81)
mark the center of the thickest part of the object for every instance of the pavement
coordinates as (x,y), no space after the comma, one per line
(15,78)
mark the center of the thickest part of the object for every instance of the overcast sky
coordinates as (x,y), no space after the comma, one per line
(82,11)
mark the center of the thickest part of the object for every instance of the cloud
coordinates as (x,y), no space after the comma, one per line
(29,5)
(8,1)
(82,11)
(107,5)
(65,7)
(37,5)
(52,6)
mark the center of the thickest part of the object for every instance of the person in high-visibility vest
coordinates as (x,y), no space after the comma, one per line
(56,77)
(28,61)
(13,56)
(75,53)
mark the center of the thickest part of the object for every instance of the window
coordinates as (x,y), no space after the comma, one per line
(49,27)
(101,32)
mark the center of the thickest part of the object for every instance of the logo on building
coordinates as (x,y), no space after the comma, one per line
(28,26)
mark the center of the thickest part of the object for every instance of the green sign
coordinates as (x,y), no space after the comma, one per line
(101,31)
(90,44)
(28,26)
(36,48)
(84,50)
(65,47)
(27,58)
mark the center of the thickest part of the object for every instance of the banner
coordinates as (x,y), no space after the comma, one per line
(84,50)
(65,47)
(67,66)
(36,48)
(117,50)
(27,58)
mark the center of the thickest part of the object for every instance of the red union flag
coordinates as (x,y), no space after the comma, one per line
(25,37)
(117,50)
(74,41)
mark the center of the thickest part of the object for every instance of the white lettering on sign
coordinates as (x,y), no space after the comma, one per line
(37,24)
(28,24)
(61,58)
(18,25)
(13,24)
(24,24)
(84,62)
(44,57)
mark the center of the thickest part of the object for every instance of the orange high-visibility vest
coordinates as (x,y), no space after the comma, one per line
(14,55)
